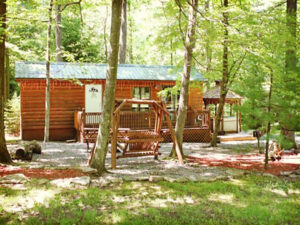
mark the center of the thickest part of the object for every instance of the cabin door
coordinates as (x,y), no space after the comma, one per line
(93,104)
(93,98)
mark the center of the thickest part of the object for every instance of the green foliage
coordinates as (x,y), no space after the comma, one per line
(12,116)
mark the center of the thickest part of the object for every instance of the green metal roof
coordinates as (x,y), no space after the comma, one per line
(64,70)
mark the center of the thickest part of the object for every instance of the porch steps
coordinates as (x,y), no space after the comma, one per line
(245,138)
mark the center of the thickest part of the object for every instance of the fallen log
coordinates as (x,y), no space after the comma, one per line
(21,153)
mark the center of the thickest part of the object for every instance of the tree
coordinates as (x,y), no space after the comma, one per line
(123,41)
(185,79)
(287,130)
(225,78)
(4,154)
(47,105)
(98,160)
(58,34)
(58,27)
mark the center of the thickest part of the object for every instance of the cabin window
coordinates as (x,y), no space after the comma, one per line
(141,93)
(171,99)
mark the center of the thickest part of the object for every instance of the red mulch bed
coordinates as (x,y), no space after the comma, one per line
(41,173)
(254,162)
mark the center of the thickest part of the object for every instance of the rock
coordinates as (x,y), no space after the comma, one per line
(130,178)
(89,170)
(193,178)
(285,173)
(155,178)
(34,147)
(17,178)
(143,178)
(42,181)
(181,179)
(102,182)
(269,175)
(114,179)
(169,179)
(71,182)
(297,171)
(235,173)
(64,183)
(83,181)
(191,164)
(294,176)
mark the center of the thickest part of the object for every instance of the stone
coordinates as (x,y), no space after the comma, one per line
(130,178)
(181,179)
(235,173)
(285,173)
(89,170)
(114,179)
(42,181)
(34,147)
(169,179)
(193,178)
(102,182)
(297,171)
(64,183)
(143,178)
(155,178)
(83,181)
(269,175)
(17,178)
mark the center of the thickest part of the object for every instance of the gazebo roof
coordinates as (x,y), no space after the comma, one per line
(215,93)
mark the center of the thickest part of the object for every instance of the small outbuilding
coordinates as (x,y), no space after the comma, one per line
(230,123)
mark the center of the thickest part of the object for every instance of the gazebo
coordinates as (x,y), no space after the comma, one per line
(232,123)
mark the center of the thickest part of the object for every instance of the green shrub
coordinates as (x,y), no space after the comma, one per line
(12,116)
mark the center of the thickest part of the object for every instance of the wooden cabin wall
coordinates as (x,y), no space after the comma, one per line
(67,97)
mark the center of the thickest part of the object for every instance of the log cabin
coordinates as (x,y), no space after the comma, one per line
(79,87)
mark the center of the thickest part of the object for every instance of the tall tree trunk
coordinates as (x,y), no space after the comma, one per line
(123,41)
(58,34)
(291,60)
(4,155)
(185,80)
(225,78)
(47,102)
(104,34)
(6,76)
(269,122)
(130,36)
(98,161)
(208,48)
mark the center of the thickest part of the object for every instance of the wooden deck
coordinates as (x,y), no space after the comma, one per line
(197,126)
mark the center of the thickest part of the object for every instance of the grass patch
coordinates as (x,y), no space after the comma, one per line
(252,199)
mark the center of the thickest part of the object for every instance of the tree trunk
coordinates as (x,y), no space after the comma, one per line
(291,61)
(98,161)
(6,76)
(47,102)
(208,48)
(225,78)
(123,39)
(185,80)
(58,35)
(130,35)
(104,35)
(4,155)
(269,122)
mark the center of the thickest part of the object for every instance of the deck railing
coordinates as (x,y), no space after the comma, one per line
(142,120)
(196,120)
